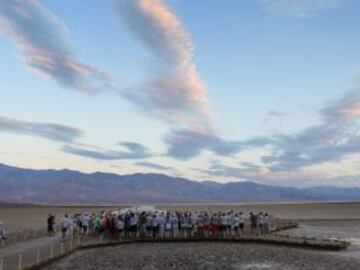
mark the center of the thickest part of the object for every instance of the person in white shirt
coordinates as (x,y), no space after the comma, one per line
(174,225)
(261,222)
(266,223)
(194,217)
(86,220)
(65,224)
(155,225)
(120,226)
(168,227)
(236,224)
(161,225)
(133,224)
(223,224)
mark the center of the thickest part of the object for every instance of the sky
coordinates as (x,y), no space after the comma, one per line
(259,90)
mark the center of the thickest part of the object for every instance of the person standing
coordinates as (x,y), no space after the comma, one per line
(162,225)
(50,224)
(155,225)
(260,221)
(2,232)
(241,222)
(266,223)
(253,221)
(65,225)
(174,220)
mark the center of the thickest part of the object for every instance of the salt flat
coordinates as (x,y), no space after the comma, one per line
(23,217)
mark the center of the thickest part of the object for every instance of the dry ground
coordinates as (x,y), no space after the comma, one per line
(165,256)
(25,217)
(306,210)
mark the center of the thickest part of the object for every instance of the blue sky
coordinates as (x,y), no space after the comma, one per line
(261,90)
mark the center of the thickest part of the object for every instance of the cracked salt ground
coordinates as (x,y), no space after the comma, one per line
(260,266)
(207,256)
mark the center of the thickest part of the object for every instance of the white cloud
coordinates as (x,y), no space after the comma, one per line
(42,39)
(175,93)
(300,8)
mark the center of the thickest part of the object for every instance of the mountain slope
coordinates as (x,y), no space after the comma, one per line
(73,187)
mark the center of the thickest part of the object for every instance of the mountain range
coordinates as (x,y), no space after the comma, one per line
(72,187)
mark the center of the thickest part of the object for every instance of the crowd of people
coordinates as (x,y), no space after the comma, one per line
(157,223)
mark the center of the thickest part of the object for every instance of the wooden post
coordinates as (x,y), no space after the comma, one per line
(1,264)
(51,251)
(38,256)
(20,261)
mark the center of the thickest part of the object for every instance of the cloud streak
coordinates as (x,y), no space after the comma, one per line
(300,8)
(49,131)
(132,151)
(41,38)
(175,91)
(153,165)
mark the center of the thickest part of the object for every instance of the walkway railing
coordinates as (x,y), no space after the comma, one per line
(37,257)
(25,235)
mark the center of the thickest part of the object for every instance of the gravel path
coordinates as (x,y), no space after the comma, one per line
(161,256)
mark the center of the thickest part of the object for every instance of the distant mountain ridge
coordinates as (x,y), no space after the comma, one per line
(73,187)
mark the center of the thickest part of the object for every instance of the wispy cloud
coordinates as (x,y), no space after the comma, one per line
(337,137)
(49,131)
(300,8)
(313,146)
(132,151)
(284,178)
(185,144)
(275,113)
(175,91)
(345,109)
(42,39)
(152,165)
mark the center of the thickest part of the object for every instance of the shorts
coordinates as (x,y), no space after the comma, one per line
(216,227)
(241,226)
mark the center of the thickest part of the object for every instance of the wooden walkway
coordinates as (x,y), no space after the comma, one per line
(68,247)
(265,239)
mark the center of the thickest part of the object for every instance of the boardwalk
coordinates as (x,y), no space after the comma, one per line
(31,254)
